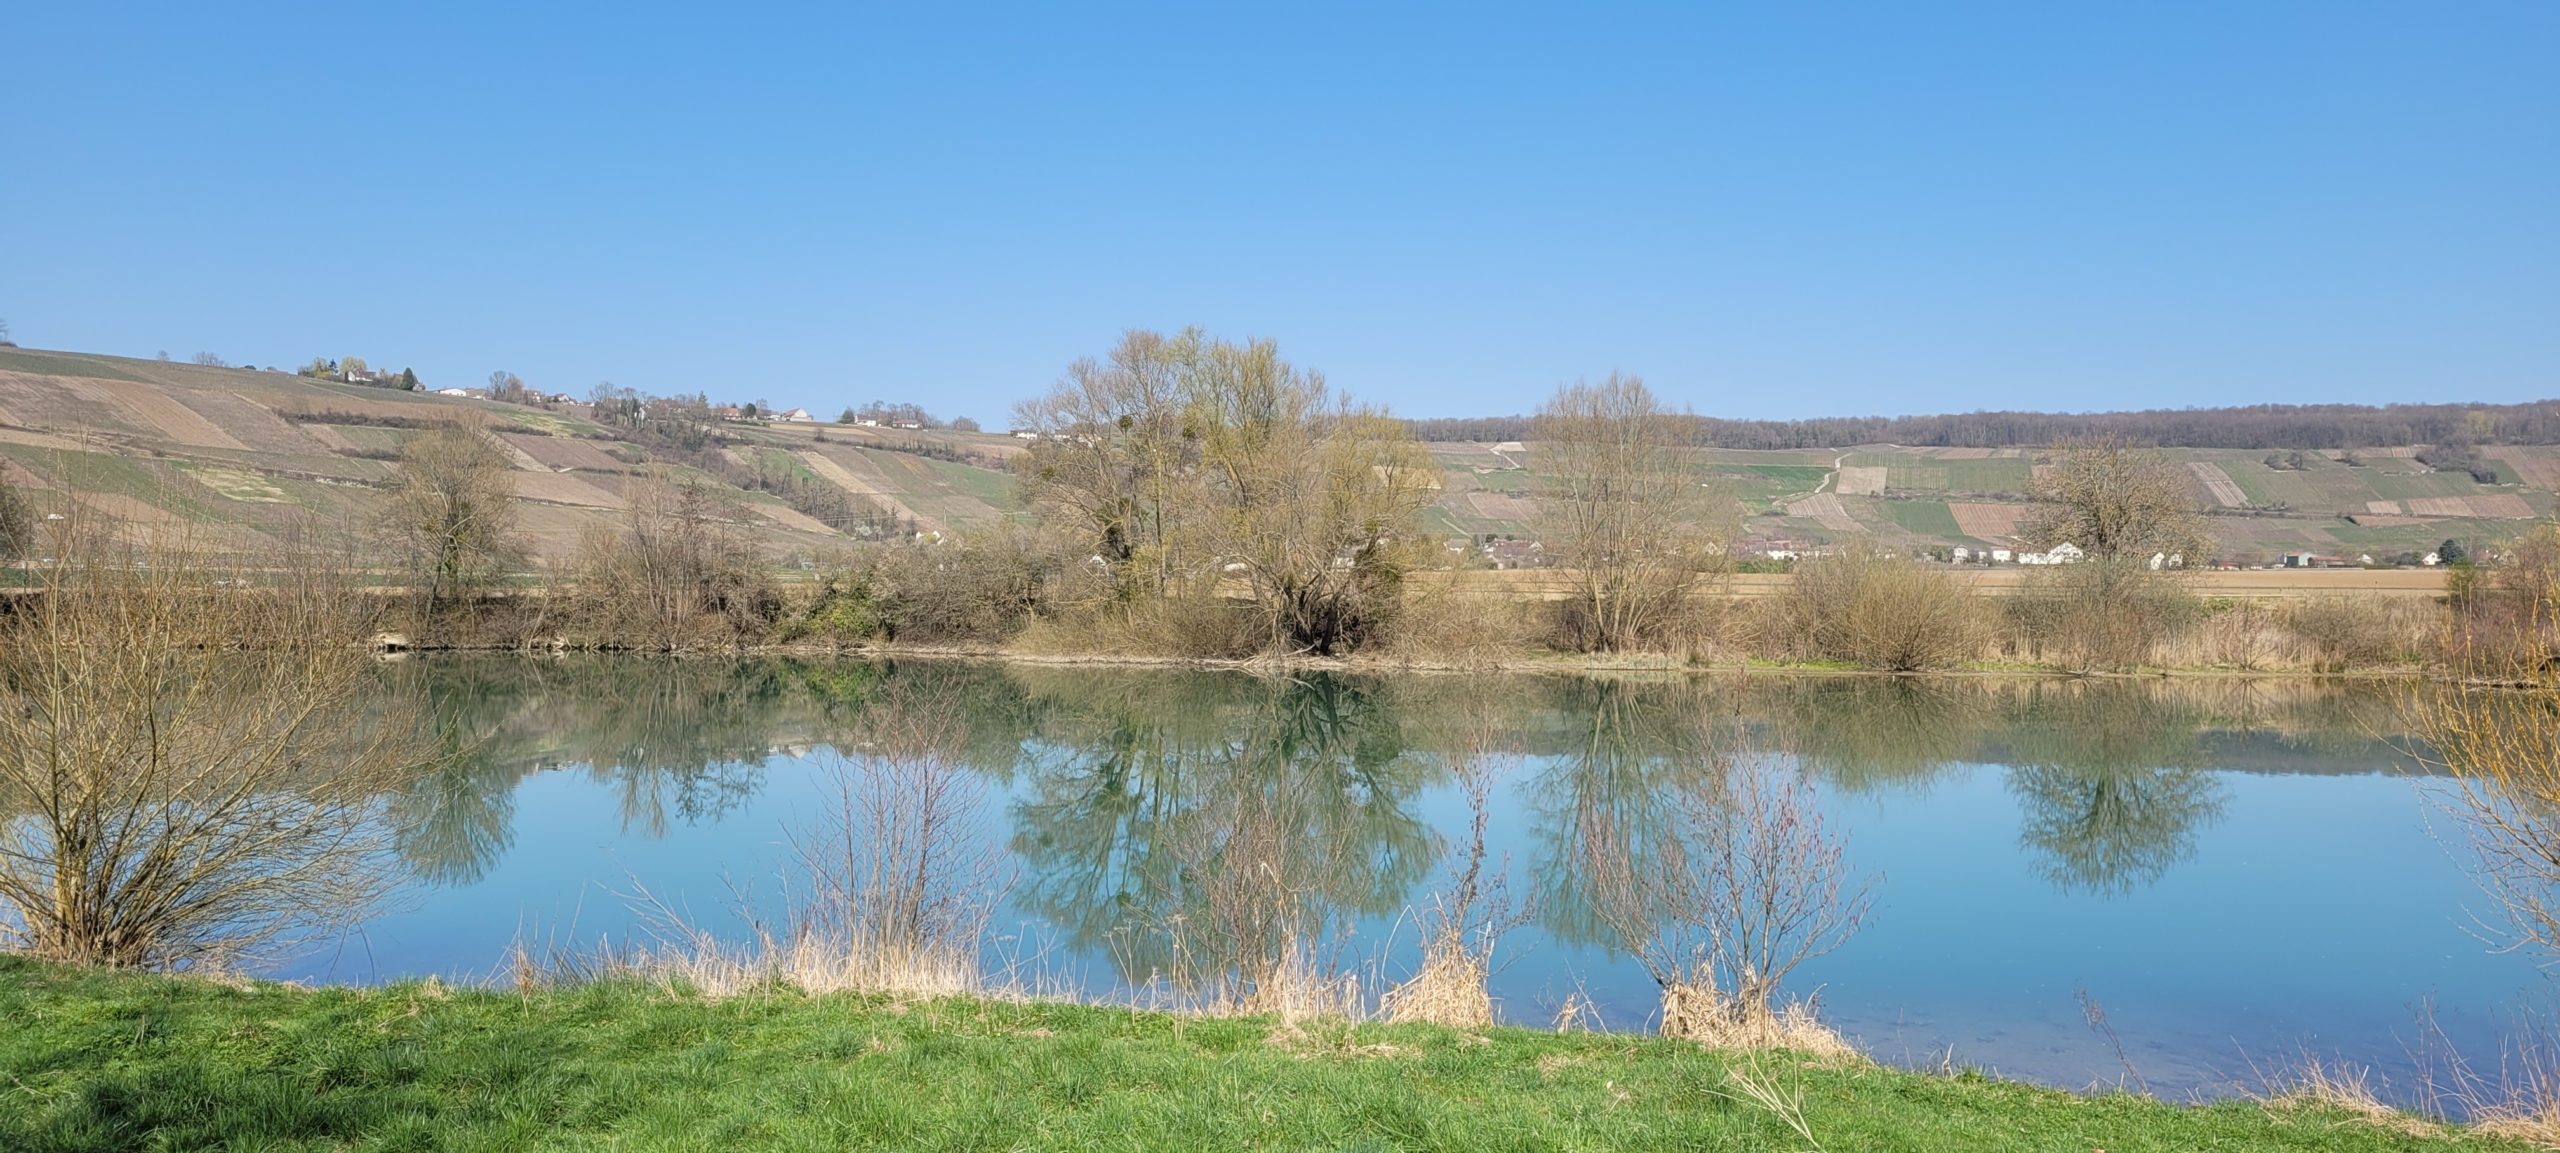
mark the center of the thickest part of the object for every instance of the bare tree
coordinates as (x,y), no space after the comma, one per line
(1115,459)
(450,520)
(1748,885)
(902,870)
(678,572)
(2502,747)
(2132,512)
(1620,500)
(1465,922)
(209,360)
(191,767)
(2116,501)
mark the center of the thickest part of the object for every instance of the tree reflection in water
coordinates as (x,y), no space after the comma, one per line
(2110,783)
(1217,833)
(1192,823)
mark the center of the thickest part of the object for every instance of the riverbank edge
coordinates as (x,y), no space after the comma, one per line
(96,1059)
(1555,664)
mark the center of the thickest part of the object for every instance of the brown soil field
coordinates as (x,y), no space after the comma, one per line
(1501,506)
(1866,480)
(1991,522)
(2219,484)
(249,422)
(555,452)
(559,489)
(2536,467)
(2504,506)
(49,402)
(1826,508)
(157,409)
(787,517)
(835,472)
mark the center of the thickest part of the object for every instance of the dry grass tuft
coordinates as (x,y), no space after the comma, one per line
(1577,1014)
(1449,988)
(2344,1089)
(1697,1012)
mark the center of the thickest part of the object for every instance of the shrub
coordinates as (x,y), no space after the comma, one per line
(2345,632)
(2102,614)
(1861,606)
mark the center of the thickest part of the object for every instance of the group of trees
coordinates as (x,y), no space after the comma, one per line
(2266,426)
(352,369)
(1186,464)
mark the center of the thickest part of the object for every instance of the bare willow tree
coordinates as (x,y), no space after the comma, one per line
(2499,739)
(1619,497)
(450,522)
(2132,513)
(1193,466)
(1748,885)
(192,767)
(1116,459)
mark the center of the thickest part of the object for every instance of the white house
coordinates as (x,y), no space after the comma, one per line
(1963,554)
(2065,553)
(2002,556)
(1025,434)
(797,416)
(2431,560)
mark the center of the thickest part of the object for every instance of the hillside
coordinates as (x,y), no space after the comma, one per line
(249,453)
(2379,502)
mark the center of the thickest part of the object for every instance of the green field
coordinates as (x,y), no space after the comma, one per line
(117,1061)
(1925,518)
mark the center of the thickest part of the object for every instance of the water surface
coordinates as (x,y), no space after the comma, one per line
(2234,873)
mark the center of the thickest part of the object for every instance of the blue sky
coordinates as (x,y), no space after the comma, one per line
(1787,210)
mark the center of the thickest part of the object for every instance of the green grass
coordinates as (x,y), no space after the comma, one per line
(94,1061)
(2004,474)
(1796,478)
(1925,518)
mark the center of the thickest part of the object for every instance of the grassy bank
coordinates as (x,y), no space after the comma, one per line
(94,1061)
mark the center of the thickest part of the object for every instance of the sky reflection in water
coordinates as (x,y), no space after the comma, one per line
(2236,872)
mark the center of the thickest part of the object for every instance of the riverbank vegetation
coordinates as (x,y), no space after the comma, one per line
(1189,498)
(1273,822)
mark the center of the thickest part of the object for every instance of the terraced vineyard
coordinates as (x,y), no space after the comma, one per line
(248,454)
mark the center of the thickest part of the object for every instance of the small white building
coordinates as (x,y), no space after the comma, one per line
(2065,553)
(2002,556)
(1025,434)
(2431,560)
(1963,555)
(797,416)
